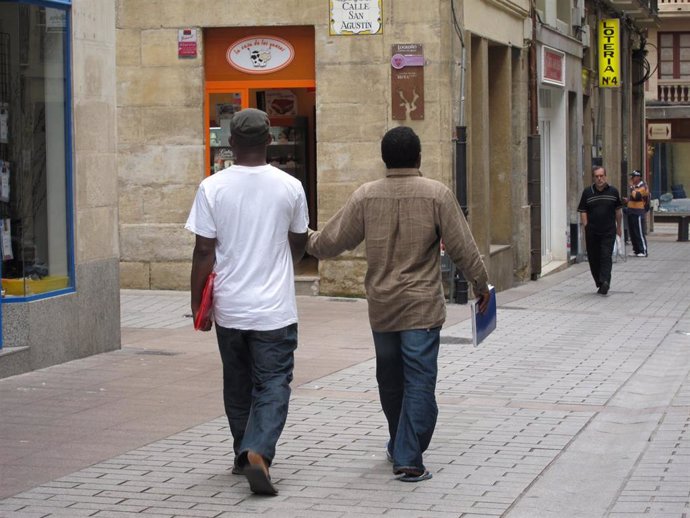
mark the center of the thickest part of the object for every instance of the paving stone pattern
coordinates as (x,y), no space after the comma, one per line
(510,411)
(154,309)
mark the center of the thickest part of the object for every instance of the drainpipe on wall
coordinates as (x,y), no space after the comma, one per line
(625,108)
(534,155)
(459,287)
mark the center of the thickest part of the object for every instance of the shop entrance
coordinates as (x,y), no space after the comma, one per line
(291,108)
(272,69)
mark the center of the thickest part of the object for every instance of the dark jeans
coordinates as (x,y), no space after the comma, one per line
(599,255)
(406,369)
(636,226)
(257,371)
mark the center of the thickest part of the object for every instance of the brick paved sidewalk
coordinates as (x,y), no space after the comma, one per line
(578,405)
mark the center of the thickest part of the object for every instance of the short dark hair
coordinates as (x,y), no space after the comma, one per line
(595,168)
(400,148)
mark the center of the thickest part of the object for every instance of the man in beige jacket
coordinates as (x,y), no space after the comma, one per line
(402,219)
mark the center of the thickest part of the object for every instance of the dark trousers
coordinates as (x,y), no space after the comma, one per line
(406,371)
(257,371)
(599,255)
(635,224)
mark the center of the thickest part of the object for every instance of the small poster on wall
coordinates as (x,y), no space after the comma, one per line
(6,240)
(281,103)
(4,181)
(186,43)
(407,82)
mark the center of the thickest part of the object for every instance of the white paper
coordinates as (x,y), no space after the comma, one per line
(4,120)
(6,240)
(4,182)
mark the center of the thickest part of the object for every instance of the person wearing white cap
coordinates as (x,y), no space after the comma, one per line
(638,200)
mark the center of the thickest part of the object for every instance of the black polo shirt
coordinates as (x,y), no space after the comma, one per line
(600,207)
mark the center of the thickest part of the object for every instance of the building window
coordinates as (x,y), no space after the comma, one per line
(35,198)
(674,55)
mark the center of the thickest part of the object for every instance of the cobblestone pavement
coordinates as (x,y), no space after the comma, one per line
(577,406)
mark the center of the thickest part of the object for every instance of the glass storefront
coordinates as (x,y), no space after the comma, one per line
(35,155)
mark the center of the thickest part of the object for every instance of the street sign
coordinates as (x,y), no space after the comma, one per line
(659,131)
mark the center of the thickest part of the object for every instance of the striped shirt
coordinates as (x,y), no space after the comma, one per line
(600,207)
(402,219)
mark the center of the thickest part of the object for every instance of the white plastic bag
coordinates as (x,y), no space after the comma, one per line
(618,249)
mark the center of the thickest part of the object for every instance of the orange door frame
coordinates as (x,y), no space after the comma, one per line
(241,87)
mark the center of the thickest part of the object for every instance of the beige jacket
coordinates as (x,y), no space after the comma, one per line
(402,219)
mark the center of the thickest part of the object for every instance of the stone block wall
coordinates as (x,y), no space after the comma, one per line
(161,134)
(160,115)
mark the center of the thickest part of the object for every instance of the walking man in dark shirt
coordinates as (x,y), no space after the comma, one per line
(601,215)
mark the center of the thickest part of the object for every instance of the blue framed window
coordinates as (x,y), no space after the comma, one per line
(36,200)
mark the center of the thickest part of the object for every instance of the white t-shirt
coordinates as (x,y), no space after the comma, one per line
(249,211)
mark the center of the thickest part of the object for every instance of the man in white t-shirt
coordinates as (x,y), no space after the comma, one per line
(250,222)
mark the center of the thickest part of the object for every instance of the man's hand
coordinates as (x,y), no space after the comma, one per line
(208,326)
(483,301)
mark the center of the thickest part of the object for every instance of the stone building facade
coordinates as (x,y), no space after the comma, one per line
(163,111)
(514,137)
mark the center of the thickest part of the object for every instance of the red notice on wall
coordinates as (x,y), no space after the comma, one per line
(186,43)
(553,66)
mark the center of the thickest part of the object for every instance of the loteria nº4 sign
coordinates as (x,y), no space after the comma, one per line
(609,53)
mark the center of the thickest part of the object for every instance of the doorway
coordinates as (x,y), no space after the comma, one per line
(293,129)
(272,69)
(546,250)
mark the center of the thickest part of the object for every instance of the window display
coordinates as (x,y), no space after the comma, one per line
(287,151)
(34,176)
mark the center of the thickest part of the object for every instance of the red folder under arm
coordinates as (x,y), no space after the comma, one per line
(205,313)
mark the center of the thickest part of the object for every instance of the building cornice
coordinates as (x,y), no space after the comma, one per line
(509,7)
(639,12)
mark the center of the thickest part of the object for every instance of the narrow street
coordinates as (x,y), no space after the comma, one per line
(577,406)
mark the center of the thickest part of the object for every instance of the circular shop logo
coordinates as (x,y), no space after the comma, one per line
(260,54)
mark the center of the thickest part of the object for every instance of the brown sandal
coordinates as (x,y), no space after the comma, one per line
(257,475)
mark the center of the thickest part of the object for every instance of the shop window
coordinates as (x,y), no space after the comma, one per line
(35,154)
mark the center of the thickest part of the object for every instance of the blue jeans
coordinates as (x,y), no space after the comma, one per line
(406,369)
(257,371)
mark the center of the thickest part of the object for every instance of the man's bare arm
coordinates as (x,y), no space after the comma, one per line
(203,259)
(298,243)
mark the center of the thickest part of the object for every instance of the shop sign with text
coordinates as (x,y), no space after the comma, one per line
(260,54)
(552,66)
(609,53)
(659,131)
(348,18)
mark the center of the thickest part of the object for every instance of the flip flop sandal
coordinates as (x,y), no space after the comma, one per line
(410,477)
(259,482)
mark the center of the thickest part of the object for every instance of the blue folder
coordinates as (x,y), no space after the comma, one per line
(484,323)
